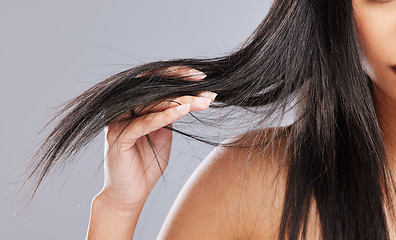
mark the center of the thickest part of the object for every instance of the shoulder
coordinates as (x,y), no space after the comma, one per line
(236,191)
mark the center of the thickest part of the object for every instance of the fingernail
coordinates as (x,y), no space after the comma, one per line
(207,94)
(197,75)
(183,107)
(203,100)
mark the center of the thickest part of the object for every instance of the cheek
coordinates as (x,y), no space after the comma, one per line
(376,28)
(371,41)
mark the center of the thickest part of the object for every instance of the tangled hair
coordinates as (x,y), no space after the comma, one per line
(304,49)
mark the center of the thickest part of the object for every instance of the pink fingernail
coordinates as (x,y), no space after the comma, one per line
(197,75)
(210,95)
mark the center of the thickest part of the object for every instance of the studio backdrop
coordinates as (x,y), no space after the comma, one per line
(51,51)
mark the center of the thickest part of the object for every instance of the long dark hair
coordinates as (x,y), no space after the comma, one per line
(305,51)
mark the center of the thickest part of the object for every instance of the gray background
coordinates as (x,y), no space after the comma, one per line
(53,50)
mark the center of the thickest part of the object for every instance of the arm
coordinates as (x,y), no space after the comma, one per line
(132,166)
(233,194)
(109,221)
(196,214)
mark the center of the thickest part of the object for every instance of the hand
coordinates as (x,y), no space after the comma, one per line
(133,164)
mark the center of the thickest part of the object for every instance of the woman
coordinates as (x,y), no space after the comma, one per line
(326,176)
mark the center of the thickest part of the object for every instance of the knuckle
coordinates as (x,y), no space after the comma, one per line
(183,100)
(148,119)
(188,99)
(111,134)
(167,103)
(168,116)
(176,102)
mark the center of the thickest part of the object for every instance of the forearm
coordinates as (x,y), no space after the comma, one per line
(109,221)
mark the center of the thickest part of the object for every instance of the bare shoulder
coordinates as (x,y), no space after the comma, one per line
(236,192)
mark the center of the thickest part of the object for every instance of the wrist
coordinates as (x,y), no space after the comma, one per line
(112,220)
(106,200)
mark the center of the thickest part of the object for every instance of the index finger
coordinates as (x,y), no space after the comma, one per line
(186,72)
(179,71)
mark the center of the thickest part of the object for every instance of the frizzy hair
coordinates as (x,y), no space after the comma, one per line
(304,49)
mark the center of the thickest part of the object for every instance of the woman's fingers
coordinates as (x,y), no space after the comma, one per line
(186,72)
(198,103)
(158,115)
(179,71)
(121,124)
(151,122)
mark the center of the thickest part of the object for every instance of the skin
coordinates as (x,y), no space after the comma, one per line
(131,173)
(375,22)
(130,167)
